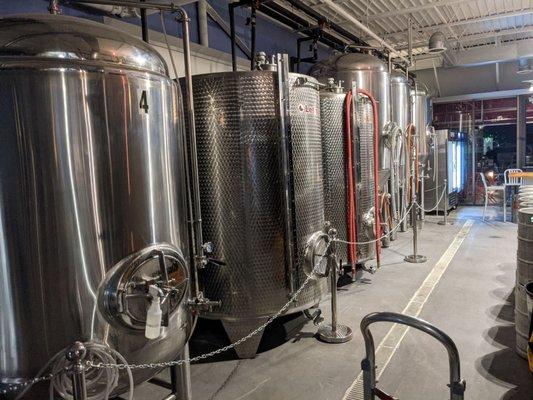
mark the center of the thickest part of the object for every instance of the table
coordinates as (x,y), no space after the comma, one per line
(527,177)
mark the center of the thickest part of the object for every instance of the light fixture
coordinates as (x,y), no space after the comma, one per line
(530,83)
(437,42)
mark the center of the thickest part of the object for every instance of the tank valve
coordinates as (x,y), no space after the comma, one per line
(200,303)
(371,269)
(154,315)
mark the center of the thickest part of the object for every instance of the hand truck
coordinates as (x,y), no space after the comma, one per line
(368,365)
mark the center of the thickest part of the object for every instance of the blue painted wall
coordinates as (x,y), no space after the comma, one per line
(271,38)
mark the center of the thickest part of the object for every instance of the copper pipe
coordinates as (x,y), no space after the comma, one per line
(350,183)
(377,226)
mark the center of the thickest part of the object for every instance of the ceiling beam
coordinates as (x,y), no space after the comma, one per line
(481,96)
(409,10)
(503,52)
(475,36)
(486,18)
(496,34)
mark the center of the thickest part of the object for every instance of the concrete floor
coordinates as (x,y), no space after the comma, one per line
(471,302)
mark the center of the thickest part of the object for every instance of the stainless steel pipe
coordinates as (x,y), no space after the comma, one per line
(282,62)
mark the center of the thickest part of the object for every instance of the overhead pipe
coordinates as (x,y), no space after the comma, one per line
(253,17)
(202,23)
(298,60)
(232,35)
(298,4)
(341,10)
(296,22)
(168,6)
(410,40)
(144,24)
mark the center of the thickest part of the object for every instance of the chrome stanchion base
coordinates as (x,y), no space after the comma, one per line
(444,223)
(342,334)
(416,259)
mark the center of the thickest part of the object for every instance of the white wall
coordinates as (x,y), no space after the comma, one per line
(203,59)
(476,79)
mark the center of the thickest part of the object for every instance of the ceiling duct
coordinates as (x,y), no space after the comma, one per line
(524,65)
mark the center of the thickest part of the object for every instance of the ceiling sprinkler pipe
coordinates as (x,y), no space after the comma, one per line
(119,11)
(166,6)
(341,10)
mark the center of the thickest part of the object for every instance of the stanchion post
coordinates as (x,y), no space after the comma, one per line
(415,257)
(76,355)
(334,332)
(445,221)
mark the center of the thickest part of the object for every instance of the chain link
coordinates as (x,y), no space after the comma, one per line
(122,366)
(15,387)
(174,363)
(385,235)
(421,207)
(259,329)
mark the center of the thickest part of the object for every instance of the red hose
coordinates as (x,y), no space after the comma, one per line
(377,226)
(350,182)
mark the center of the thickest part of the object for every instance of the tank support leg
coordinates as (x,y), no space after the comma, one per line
(240,328)
(180,379)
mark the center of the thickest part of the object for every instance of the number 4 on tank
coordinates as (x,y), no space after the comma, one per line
(143,102)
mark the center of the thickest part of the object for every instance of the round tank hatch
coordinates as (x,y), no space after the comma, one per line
(74,40)
(124,294)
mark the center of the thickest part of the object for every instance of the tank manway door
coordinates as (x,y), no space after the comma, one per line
(130,287)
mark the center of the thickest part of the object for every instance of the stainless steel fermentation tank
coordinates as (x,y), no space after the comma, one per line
(400,104)
(420,118)
(92,195)
(240,151)
(368,73)
(334,142)
(400,113)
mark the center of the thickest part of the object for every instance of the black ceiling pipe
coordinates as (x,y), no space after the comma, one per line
(144,24)
(292,20)
(299,5)
(319,17)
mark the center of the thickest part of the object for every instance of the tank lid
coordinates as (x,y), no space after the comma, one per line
(398,77)
(346,62)
(360,61)
(418,91)
(73,39)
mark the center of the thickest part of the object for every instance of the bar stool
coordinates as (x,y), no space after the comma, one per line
(510,180)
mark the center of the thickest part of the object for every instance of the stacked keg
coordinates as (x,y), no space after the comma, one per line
(525,196)
(524,274)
